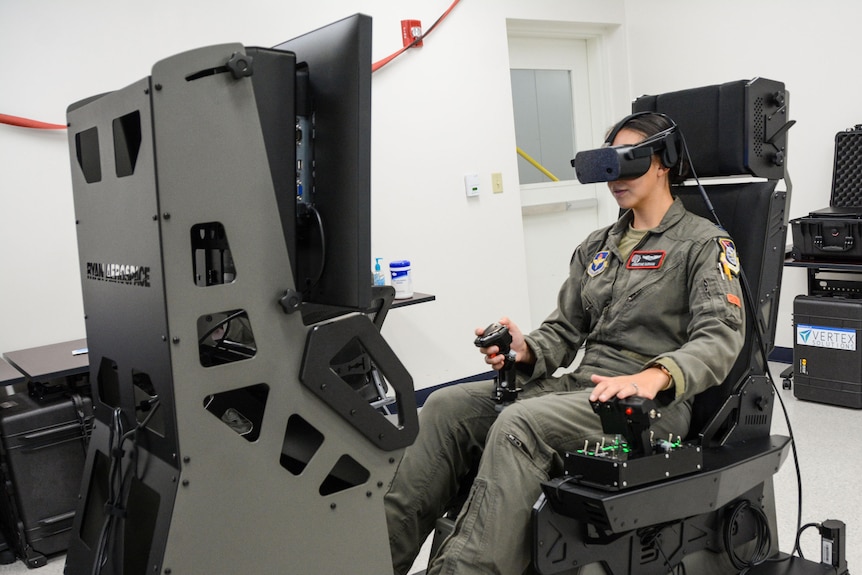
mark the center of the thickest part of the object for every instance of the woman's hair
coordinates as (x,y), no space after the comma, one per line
(650,124)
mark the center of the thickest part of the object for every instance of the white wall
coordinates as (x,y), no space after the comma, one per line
(677,44)
(439,112)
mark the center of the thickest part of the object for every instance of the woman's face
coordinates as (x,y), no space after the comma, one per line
(631,194)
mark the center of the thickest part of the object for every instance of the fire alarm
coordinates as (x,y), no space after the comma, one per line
(411,30)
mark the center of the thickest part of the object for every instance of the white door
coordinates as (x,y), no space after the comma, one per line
(554,103)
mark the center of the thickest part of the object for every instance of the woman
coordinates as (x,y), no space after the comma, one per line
(655,301)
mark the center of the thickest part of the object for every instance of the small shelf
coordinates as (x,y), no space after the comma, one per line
(821,264)
(417,298)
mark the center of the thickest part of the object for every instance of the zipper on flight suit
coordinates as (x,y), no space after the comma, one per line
(634,249)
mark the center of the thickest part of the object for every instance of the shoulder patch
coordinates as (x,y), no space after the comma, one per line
(597,266)
(728,258)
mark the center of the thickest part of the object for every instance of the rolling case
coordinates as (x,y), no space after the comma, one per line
(835,233)
(827,351)
(42,453)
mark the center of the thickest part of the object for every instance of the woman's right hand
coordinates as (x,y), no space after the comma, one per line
(523,353)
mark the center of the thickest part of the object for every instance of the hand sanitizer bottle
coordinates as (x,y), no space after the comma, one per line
(379,278)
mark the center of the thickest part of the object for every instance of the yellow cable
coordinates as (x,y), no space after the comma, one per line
(538,166)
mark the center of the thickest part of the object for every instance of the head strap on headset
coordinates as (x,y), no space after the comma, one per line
(610,163)
(665,141)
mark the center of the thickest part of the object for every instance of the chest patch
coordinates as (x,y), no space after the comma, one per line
(597,266)
(646,260)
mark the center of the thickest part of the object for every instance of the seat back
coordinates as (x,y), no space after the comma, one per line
(738,129)
(753,213)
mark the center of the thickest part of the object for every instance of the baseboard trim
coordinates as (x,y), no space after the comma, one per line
(782,355)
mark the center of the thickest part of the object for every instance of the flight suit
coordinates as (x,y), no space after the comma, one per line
(675,300)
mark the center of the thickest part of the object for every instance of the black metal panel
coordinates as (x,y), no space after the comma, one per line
(325,342)
(119,247)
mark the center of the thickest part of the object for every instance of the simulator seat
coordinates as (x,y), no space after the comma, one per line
(718,516)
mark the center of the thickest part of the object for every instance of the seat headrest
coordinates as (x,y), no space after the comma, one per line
(736,128)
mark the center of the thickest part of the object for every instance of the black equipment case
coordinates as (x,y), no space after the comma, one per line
(835,233)
(42,453)
(827,351)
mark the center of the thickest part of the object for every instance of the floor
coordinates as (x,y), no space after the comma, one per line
(830,465)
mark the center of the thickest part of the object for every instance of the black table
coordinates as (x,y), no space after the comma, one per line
(53,361)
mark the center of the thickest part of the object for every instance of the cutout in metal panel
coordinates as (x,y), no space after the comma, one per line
(108,382)
(354,365)
(240,409)
(147,410)
(301,442)
(212,261)
(127,143)
(87,151)
(142,512)
(93,518)
(225,337)
(346,473)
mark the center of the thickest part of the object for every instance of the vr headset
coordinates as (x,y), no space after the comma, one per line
(611,163)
